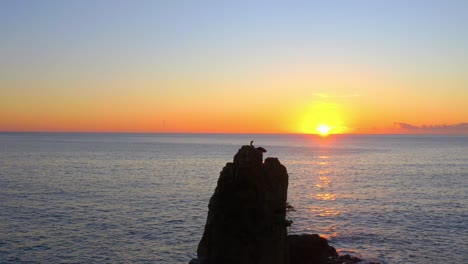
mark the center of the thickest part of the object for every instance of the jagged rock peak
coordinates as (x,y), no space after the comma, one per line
(246,220)
(247,155)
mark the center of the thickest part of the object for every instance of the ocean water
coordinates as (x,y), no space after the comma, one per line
(142,198)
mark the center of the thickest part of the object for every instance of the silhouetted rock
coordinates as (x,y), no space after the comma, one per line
(247,213)
(310,249)
(348,259)
(246,221)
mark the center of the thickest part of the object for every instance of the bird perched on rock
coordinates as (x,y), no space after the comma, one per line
(258,148)
(261,149)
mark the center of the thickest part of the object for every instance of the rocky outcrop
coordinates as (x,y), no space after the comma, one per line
(310,249)
(247,213)
(246,221)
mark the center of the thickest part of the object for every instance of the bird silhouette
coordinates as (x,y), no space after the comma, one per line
(258,148)
(261,149)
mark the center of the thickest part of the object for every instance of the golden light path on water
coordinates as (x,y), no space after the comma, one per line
(324,180)
(321,194)
(324,194)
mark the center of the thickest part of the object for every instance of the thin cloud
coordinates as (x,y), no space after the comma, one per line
(405,126)
(461,128)
(324,95)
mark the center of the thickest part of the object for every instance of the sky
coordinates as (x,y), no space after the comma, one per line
(234,66)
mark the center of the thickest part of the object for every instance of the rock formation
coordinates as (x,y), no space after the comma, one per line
(309,249)
(246,221)
(247,213)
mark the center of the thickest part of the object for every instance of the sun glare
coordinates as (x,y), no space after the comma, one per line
(323,129)
(323,119)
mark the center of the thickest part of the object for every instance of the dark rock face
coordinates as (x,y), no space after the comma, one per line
(310,249)
(347,259)
(247,213)
(246,221)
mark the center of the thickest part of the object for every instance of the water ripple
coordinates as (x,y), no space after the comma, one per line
(144,199)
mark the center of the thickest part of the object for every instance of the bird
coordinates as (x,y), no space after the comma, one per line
(261,149)
(258,148)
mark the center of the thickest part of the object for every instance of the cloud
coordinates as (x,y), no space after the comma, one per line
(325,95)
(461,128)
(322,95)
(405,126)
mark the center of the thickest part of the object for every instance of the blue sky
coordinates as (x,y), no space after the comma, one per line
(387,31)
(61,45)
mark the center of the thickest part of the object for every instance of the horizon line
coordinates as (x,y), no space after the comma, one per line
(230,133)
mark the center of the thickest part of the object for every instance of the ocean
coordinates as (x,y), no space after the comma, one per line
(143,198)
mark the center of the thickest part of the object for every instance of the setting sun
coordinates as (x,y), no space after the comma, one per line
(324,118)
(323,129)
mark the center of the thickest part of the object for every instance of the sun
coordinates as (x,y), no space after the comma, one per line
(323,119)
(323,129)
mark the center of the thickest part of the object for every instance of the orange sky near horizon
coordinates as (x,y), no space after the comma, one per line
(360,68)
(286,104)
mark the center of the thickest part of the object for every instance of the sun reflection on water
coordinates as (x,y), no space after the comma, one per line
(325,196)
(326,212)
(324,182)
(322,210)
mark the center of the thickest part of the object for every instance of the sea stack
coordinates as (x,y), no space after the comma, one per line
(246,220)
